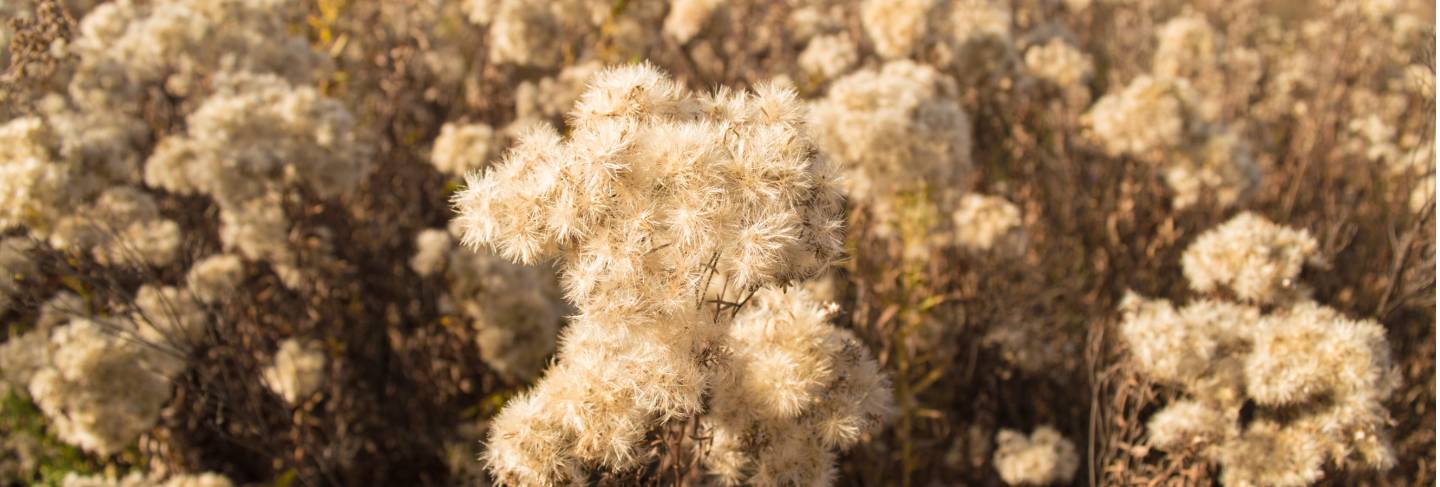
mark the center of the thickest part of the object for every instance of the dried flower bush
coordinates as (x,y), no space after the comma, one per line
(1315,378)
(657,203)
(211,180)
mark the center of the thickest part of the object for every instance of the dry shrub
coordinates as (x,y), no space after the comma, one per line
(973,340)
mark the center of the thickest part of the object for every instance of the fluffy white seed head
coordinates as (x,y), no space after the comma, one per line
(688,17)
(829,56)
(100,390)
(1043,458)
(896,131)
(897,28)
(809,19)
(53,168)
(1148,114)
(432,251)
(1059,62)
(153,242)
(1309,350)
(652,186)
(1190,424)
(792,393)
(972,21)
(256,134)
(988,222)
(658,206)
(1255,259)
(21,357)
(522,32)
(28,171)
(297,370)
(216,277)
(545,33)
(1186,44)
(1317,381)
(125,47)
(462,149)
(259,230)
(527,446)
(550,98)
(1267,454)
(513,308)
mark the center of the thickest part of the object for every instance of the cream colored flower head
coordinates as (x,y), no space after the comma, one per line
(297,370)
(656,189)
(1042,458)
(1257,260)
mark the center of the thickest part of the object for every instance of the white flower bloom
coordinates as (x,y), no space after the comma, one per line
(656,202)
(896,27)
(297,370)
(462,149)
(1043,458)
(214,278)
(807,388)
(101,390)
(829,56)
(688,17)
(896,131)
(1317,379)
(988,222)
(1253,258)
(1148,114)
(1059,62)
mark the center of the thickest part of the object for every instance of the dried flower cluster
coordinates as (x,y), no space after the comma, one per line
(297,369)
(1316,379)
(795,390)
(898,132)
(657,202)
(1059,62)
(1043,458)
(896,27)
(99,388)
(549,99)
(988,222)
(958,32)
(83,174)
(255,136)
(75,168)
(216,277)
(544,34)
(462,149)
(513,308)
(687,17)
(45,188)
(102,381)
(829,56)
(85,140)
(1148,114)
(1253,258)
(1169,117)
